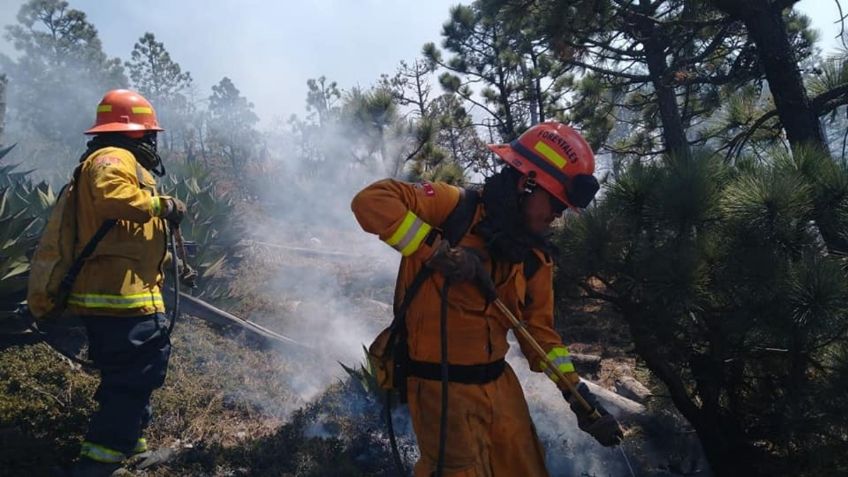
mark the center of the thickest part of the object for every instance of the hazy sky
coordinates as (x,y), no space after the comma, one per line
(269,49)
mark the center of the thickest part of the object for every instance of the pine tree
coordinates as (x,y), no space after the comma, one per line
(732,299)
(445,143)
(765,23)
(651,67)
(56,82)
(161,80)
(232,124)
(486,55)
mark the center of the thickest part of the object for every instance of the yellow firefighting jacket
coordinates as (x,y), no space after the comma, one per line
(403,214)
(123,277)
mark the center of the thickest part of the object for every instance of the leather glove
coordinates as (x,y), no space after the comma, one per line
(175,210)
(188,275)
(605,429)
(457,264)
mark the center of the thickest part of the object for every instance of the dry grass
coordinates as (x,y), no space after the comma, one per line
(219,392)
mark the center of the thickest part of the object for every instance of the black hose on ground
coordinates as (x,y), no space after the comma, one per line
(392,439)
(175,267)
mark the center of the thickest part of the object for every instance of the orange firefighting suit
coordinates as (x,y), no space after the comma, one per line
(490,432)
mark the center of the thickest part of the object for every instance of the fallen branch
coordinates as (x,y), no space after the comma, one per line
(307,252)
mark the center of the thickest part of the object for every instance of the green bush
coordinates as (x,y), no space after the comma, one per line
(733,282)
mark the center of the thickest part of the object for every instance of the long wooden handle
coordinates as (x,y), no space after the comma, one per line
(519,327)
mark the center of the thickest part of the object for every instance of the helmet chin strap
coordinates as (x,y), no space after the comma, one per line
(530,184)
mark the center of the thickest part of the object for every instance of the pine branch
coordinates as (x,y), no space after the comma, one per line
(617,74)
(821,104)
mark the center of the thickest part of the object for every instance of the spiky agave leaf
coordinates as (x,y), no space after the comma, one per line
(210,224)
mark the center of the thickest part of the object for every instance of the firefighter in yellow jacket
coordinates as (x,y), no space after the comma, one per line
(489,430)
(118,293)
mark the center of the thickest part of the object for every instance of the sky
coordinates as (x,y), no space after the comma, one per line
(270,49)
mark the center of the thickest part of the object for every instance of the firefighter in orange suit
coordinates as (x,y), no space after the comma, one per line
(118,292)
(489,429)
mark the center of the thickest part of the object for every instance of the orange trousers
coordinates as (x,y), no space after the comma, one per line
(490,433)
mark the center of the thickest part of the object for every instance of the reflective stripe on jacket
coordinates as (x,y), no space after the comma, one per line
(123,276)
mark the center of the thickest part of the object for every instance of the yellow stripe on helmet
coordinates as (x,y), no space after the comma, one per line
(550,154)
(104,108)
(142,110)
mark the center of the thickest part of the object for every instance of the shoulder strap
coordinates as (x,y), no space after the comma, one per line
(454,228)
(459,221)
(68,280)
(532,264)
(70,277)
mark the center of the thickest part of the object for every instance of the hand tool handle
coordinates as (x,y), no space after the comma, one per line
(519,327)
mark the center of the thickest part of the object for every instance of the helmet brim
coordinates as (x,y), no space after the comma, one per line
(121,127)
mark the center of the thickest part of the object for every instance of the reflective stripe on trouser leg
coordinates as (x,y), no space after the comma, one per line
(99,453)
(140,446)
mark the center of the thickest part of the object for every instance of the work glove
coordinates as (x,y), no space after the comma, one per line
(605,429)
(462,264)
(175,210)
(188,275)
(457,264)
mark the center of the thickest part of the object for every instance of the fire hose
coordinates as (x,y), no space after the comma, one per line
(184,274)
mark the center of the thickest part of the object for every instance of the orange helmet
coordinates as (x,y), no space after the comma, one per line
(557,158)
(125,111)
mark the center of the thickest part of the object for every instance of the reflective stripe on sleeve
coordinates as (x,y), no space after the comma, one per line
(156,205)
(409,234)
(123,302)
(561,358)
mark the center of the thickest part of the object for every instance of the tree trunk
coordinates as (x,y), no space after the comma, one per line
(728,452)
(674,134)
(767,29)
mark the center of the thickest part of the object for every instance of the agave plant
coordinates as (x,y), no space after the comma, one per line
(209,224)
(23,210)
(364,375)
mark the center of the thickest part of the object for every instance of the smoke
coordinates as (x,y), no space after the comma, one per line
(320,279)
(568,450)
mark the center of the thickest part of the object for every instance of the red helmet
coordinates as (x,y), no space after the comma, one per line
(559,160)
(125,111)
